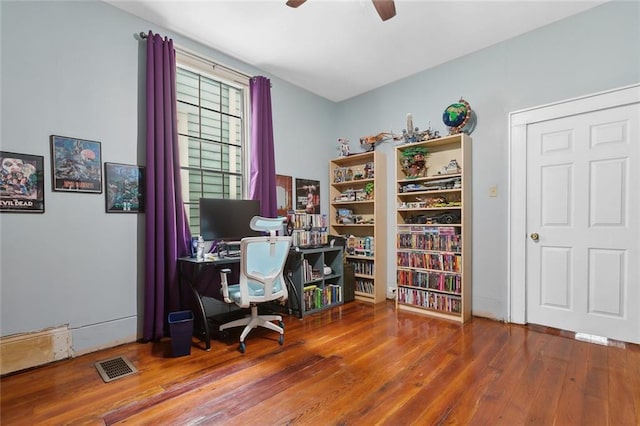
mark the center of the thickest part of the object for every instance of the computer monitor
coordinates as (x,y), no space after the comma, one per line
(227,220)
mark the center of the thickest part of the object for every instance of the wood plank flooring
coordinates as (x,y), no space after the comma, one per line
(358,364)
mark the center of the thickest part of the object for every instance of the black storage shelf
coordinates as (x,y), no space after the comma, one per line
(308,296)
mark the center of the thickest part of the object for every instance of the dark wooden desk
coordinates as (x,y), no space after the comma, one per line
(191,271)
(194,273)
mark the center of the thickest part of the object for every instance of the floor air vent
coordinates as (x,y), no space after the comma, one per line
(115,368)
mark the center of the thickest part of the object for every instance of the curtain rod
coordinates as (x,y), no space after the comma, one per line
(201,58)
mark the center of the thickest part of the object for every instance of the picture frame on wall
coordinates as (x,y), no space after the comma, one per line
(308,195)
(124,188)
(21,183)
(76,165)
(284,194)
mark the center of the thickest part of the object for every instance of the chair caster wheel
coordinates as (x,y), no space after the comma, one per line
(242,347)
(281,340)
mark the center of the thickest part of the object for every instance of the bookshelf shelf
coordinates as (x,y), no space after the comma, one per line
(354,225)
(427,193)
(339,203)
(427,209)
(355,256)
(370,277)
(347,184)
(433,244)
(357,212)
(426,178)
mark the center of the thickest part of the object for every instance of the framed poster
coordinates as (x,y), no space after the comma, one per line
(76,165)
(308,195)
(124,188)
(284,194)
(21,183)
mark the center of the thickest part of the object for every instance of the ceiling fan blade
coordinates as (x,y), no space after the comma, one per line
(295,3)
(386,8)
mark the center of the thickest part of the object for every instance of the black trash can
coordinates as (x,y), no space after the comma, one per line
(181,330)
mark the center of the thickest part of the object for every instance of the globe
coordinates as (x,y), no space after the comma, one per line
(457,115)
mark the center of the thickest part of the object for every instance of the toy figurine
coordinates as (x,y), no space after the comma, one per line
(368,171)
(450,168)
(343,147)
(349,175)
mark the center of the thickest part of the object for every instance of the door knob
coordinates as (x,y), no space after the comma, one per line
(534,236)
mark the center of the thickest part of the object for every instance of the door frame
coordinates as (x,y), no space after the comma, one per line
(517,180)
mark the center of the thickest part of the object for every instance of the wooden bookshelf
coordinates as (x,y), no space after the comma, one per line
(433,246)
(358,186)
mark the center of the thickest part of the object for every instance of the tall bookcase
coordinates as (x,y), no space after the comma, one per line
(357,211)
(433,247)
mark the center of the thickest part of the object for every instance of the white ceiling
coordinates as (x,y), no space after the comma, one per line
(341,48)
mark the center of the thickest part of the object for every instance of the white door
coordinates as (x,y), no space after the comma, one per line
(582,222)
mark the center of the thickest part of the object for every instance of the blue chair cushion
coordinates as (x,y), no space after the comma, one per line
(255,289)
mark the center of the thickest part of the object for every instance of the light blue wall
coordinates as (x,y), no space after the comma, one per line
(73,69)
(591,52)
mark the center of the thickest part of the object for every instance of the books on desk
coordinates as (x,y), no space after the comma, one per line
(228,249)
(213,257)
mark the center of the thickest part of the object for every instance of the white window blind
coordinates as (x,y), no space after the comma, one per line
(212,107)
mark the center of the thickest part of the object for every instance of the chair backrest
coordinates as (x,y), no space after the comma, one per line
(262,261)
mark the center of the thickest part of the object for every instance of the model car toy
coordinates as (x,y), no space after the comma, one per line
(445,218)
(451,168)
(411,187)
(418,219)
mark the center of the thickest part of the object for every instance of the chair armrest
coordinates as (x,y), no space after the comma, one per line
(225,284)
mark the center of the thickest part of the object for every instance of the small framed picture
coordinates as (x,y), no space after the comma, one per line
(76,165)
(284,194)
(21,183)
(308,195)
(124,188)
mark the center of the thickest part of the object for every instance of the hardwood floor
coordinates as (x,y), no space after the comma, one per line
(358,364)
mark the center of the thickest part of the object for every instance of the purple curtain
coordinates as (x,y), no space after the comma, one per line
(262,181)
(166,229)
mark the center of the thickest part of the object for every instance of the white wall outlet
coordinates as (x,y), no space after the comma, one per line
(493,191)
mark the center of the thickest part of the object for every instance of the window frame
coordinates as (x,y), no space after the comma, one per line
(204,67)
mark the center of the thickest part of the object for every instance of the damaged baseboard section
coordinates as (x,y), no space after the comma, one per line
(27,350)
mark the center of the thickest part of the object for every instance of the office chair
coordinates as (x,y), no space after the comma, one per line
(262,261)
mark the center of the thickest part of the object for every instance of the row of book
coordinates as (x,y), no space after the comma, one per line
(432,280)
(315,297)
(308,273)
(302,238)
(445,238)
(307,229)
(430,300)
(439,261)
(308,221)
(364,267)
(364,286)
